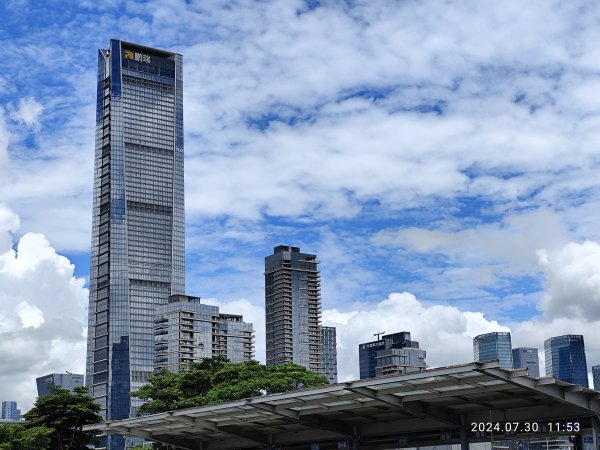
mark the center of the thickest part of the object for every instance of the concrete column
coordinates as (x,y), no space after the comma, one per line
(464,438)
(594,432)
(579,442)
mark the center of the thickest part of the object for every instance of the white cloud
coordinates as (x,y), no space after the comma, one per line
(42,308)
(491,249)
(28,111)
(572,282)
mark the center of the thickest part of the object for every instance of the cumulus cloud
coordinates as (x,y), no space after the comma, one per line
(42,308)
(572,281)
(28,111)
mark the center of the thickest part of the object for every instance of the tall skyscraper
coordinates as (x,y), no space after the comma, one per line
(62,380)
(329,339)
(187,330)
(10,411)
(137,257)
(527,357)
(392,354)
(494,345)
(293,309)
(565,359)
(596,377)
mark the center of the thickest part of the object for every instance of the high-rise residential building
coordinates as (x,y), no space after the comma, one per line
(10,411)
(527,357)
(496,345)
(137,254)
(391,354)
(328,337)
(67,381)
(565,359)
(293,309)
(596,377)
(186,330)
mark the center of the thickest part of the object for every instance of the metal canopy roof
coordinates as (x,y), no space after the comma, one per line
(429,406)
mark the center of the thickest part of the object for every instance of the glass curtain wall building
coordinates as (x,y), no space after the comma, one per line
(293,309)
(10,411)
(67,381)
(565,359)
(137,255)
(496,345)
(392,354)
(527,357)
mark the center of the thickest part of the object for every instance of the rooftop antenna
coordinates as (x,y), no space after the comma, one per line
(378,334)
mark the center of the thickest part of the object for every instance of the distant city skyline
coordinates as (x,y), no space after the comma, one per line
(447,177)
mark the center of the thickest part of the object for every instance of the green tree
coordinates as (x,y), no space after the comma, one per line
(216,380)
(17,437)
(65,413)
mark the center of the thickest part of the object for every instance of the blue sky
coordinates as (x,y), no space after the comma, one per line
(441,160)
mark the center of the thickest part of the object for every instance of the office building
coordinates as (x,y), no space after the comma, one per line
(565,359)
(496,345)
(10,412)
(391,354)
(186,330)
(293,309)
(328,337)
(67,381)
(137,254)
(596,377)
(526,357)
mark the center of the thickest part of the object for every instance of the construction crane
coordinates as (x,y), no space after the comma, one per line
(378,334)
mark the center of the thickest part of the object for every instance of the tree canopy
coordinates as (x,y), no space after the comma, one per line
(65,413)
(216,380)
(15,436)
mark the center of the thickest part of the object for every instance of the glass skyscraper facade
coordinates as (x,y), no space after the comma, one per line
(496,345)
(527,357)
(67,381)
(392,354)
(137,255)
(565,359)
(293,309)
(10,411)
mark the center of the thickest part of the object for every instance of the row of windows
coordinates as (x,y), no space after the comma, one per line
(147,149)
(150,161)
(149,208)
(135,81)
